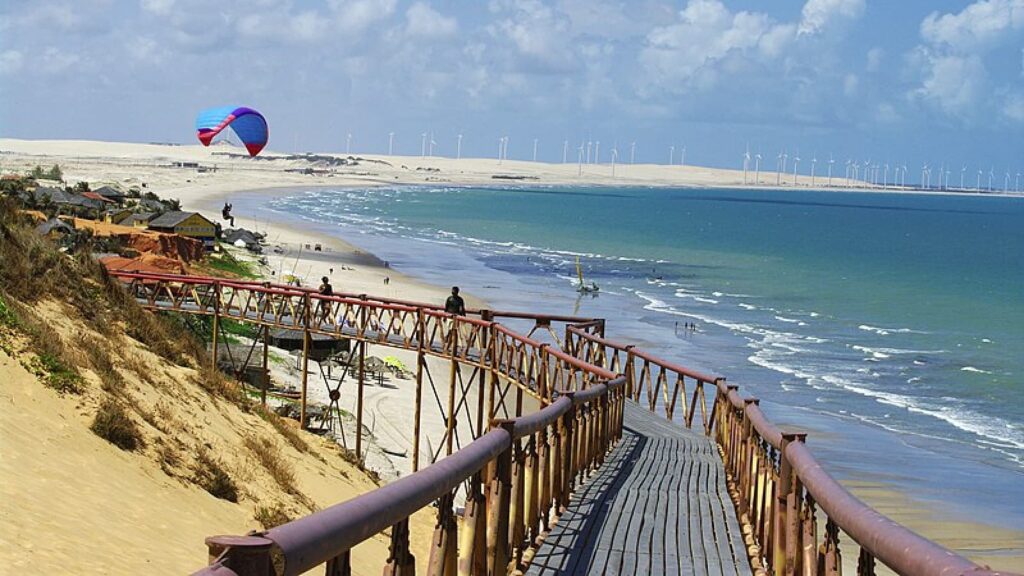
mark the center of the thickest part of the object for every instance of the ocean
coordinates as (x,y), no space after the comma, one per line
(889,326)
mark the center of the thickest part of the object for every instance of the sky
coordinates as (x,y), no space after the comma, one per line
(898,81)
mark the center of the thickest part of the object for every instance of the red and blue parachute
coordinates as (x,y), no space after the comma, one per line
(248,124)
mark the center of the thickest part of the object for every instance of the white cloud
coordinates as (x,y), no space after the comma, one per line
(955,84)
(978,27)
(690,51)
(55,61)
(158,7)
(874,59)
(10,61)
(423,21)
(306,26)
(818,15)
(954,77)
(538,32)
(356,16)
(1013,108)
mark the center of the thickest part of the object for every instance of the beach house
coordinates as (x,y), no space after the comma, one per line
(190,224)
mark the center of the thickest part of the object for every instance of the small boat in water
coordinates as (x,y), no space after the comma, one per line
(583,287)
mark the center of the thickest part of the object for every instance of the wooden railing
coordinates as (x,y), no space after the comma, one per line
(517,477)
(775,482)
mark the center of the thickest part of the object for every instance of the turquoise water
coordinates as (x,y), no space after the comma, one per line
(891,326)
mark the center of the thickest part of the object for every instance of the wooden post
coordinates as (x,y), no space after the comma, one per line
(359,400)
(485,362)
(630,384)
(543,480)
(266,372)
(498,551)
(443,553)
(516,515)
(472,543)
(216,323)
(568,450)
(419,390)
(305,360)
(401,562)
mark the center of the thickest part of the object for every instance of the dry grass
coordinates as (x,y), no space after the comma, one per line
(216,383)
(168,456)
(269,456)
(210,475)
(114,425)
(270,516)
(100,354)
(290,434)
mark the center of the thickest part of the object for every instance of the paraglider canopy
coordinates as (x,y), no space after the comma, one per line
(248,124)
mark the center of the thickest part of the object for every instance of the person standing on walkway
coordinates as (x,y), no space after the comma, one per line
(455,304)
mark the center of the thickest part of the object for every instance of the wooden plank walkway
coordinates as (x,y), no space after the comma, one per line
(657,506)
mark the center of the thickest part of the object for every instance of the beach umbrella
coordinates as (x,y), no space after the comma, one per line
(395,363)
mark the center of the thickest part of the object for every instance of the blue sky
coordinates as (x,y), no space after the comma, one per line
(902,81)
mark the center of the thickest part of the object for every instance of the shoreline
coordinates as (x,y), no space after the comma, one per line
(924,517)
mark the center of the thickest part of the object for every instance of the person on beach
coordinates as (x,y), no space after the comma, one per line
(325,289)
(455,304)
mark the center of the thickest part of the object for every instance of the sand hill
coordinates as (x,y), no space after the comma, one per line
(119,452)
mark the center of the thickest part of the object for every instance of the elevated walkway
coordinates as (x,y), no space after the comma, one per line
(658,505)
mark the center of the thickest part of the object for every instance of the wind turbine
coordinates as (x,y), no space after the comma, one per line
(589,144)
(682,157)
(830,163)
(991,172)
(501,144)
(962,172)
(977,183)
(947,178)
(814,160)
(597,152)
(534,149)
(796,162)
(348,143)
(565,151)
(848,170)
(785,157)
(924,175)
(580,171)
(432,144)
(458,148)
(885,177)
(423,145)
(671,154)
(757,169)
(615,156)
(778,169)
(746,164)
(1006,183)
(391,142)
(1016,183)
(632,152)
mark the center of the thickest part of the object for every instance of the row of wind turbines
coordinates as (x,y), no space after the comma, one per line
(885,175)
(873,174)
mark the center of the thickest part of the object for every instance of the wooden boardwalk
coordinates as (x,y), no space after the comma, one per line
(658,505)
